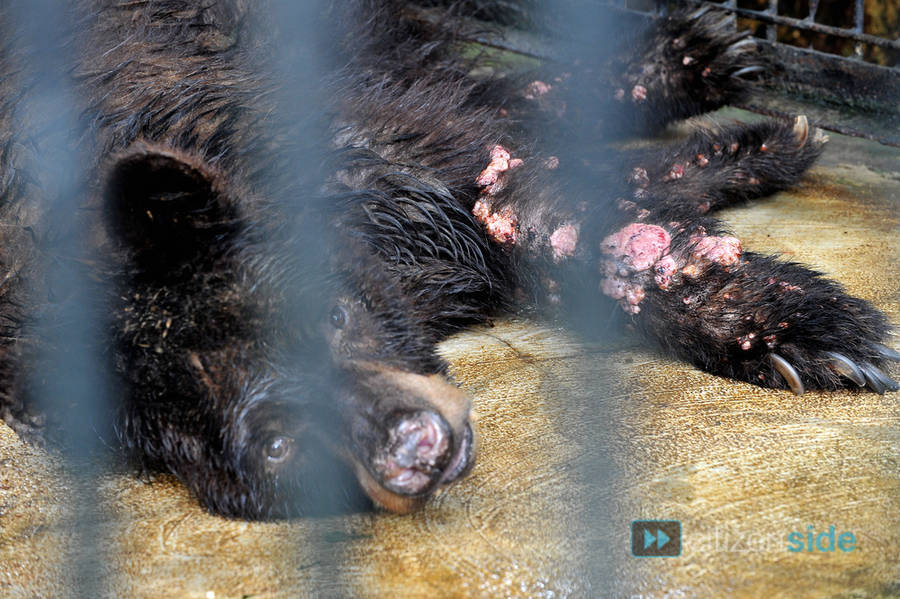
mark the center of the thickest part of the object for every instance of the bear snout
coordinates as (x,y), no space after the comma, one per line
(419,445)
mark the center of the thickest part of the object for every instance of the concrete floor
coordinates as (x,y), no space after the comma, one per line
(576,441)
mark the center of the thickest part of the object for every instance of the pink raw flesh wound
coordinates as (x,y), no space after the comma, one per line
(501,226)
(664,269)
(489,178)
(536,89)
(638,246)
(563,241)
(639,93)
(723,250)
(635,248)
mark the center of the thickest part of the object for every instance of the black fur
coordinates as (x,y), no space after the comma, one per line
(274,294)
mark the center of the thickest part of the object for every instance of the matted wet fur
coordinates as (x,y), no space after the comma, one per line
(272,295)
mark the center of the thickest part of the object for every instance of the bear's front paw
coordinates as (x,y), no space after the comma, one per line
(747,316)
(812,334)
(690,63)
(802,331)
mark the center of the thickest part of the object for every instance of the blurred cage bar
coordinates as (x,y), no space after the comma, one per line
(837,61)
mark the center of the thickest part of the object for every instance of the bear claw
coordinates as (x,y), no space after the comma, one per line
(887,352)
(747,70)
(878,381)
(787,371)
(699,12)
(801,129)
(845,367)
(865,374)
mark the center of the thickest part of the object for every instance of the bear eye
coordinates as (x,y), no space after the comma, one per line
(338,317)
(278,449)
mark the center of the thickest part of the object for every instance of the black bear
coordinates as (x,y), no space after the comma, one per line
(271,271)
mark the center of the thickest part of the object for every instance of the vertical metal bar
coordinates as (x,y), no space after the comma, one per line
(811,16)
(662,8)
(813,7)
(859,48)
(771,28)
(69,381)
(732,17)
(587,30)
(300,66)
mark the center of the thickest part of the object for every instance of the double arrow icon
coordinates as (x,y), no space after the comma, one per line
(661,538)
(656,538)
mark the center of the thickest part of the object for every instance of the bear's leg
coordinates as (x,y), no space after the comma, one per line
(741,314)
(717,167)
(681,66)
(685,65)
(688,285)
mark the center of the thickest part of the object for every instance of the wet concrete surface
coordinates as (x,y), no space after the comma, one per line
(576,440)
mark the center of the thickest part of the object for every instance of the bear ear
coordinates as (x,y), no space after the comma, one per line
(167,207)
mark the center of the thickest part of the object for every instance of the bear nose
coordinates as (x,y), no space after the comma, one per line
(417,449)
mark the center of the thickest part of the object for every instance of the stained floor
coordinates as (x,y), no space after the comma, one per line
(576,441)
